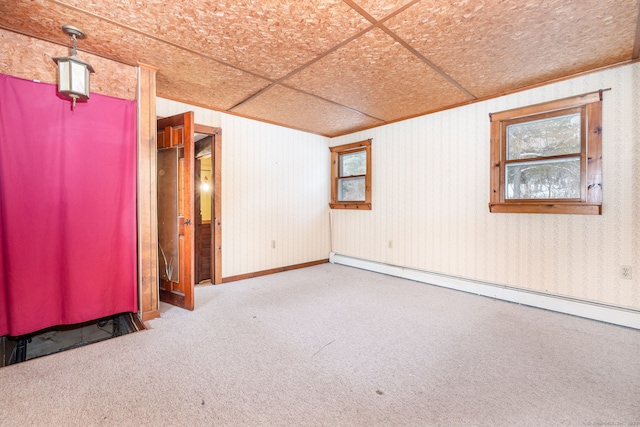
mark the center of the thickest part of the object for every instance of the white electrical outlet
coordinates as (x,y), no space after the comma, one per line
(273,244)
(625,272)
(390,244)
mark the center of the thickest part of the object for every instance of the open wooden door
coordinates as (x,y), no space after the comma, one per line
(176,209)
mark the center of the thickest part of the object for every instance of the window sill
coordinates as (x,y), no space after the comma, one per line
(363,206)
(547,208)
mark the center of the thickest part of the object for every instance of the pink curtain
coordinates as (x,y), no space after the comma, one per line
(67,207)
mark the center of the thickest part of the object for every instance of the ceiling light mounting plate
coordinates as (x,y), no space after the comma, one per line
(73,31)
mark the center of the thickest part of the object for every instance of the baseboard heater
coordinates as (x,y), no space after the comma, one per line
(574,306)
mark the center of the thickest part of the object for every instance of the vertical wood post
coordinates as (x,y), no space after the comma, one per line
(147,216)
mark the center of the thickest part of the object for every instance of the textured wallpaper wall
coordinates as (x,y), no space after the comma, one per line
(431,190)
(275,187)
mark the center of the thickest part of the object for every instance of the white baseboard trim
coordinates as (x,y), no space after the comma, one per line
(587,309)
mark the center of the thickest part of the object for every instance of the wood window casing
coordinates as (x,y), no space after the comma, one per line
(589,107)
(336,176)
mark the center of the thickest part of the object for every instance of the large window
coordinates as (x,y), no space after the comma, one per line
(351,176)
(547,158)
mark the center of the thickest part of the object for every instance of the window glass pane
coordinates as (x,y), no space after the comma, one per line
(550,179)
(353,163)
(541,138)
(351,189)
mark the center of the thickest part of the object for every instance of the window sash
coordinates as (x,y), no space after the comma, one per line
(343,167)
(352,195)
(505,162)
(537,180)
(539,143)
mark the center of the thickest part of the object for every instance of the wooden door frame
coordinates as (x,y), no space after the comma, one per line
(216,218)
(178,133)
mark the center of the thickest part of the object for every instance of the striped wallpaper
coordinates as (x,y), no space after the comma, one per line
(431,193)
(275,189)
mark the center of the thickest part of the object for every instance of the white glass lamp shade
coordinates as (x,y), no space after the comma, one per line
(73,77)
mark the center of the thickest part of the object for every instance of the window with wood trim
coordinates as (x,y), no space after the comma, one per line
(547,158)
(351,176)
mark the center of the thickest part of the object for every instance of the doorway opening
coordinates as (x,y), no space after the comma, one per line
(208,204)
(189,207)
(203,210)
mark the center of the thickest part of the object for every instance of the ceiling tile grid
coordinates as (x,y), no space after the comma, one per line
(374,74)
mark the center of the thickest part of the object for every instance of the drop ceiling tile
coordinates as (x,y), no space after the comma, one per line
(205,86)
(380,9)
(492,47)
(268,37)
(178,67)
(376,75)
(297,110)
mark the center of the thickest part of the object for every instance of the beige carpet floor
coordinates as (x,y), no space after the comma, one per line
(335,346)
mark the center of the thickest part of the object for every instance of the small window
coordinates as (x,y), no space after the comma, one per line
(547,158)
(351,176)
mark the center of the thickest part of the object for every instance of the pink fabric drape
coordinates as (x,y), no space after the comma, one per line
(67,207)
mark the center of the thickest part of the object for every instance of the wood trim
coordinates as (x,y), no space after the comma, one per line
(217,208)
(334,175)
(367,178)
(560,104)
(147,210)
(207,130)
(273,271)
(357,206)
(360,206)
(496,136)
(352,146)
(594,153)
(139,323)
(547,208)
(636,45)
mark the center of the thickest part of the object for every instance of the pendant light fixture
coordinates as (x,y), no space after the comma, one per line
(73,74)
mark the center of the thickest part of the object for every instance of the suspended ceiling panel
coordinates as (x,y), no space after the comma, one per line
(298,110)
(332,67)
